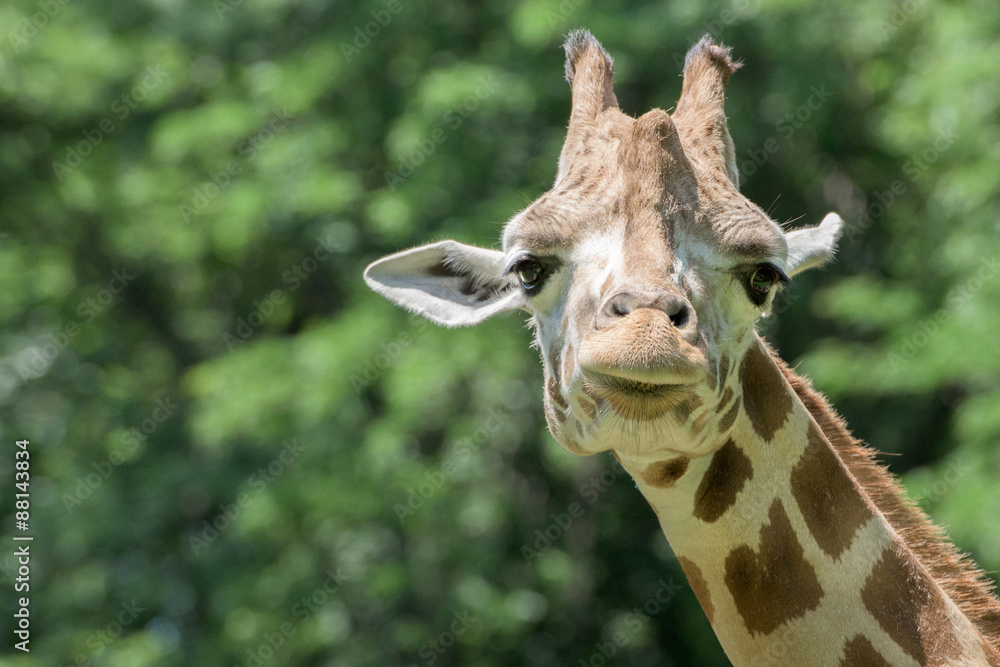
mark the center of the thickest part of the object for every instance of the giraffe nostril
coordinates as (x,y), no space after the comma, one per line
(618,310)
(620,305)
(681,317)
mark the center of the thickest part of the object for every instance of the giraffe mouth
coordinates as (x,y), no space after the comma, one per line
(635,399)
(632,387)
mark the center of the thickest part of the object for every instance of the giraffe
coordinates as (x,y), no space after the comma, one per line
(644,271)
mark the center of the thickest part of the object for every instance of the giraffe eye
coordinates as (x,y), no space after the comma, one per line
(530,272)
(763,279)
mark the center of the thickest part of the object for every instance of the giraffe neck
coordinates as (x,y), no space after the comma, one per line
(789,556)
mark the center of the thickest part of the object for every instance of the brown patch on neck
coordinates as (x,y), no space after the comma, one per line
(729,418)
(831,503)
(662,474)
(776,584)
(909,611)
(727,473)
(726,395)
(956,574)
(859,652)
(764,395)
(698,585)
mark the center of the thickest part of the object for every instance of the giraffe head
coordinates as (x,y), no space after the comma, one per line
(643,268)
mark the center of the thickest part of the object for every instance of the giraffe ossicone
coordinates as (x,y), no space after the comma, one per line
(644,271)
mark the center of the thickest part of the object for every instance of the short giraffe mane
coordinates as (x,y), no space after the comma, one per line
(958,576)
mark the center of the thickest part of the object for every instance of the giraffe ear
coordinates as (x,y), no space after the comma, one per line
(449,283)
(812,246)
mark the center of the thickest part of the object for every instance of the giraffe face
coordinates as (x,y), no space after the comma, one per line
(643,268)
(642,298)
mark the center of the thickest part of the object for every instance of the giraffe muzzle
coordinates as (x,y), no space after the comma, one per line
(644,347)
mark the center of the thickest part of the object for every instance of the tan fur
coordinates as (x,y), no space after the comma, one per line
(957,575)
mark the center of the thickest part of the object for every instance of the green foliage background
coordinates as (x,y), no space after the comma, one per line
(229,161)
